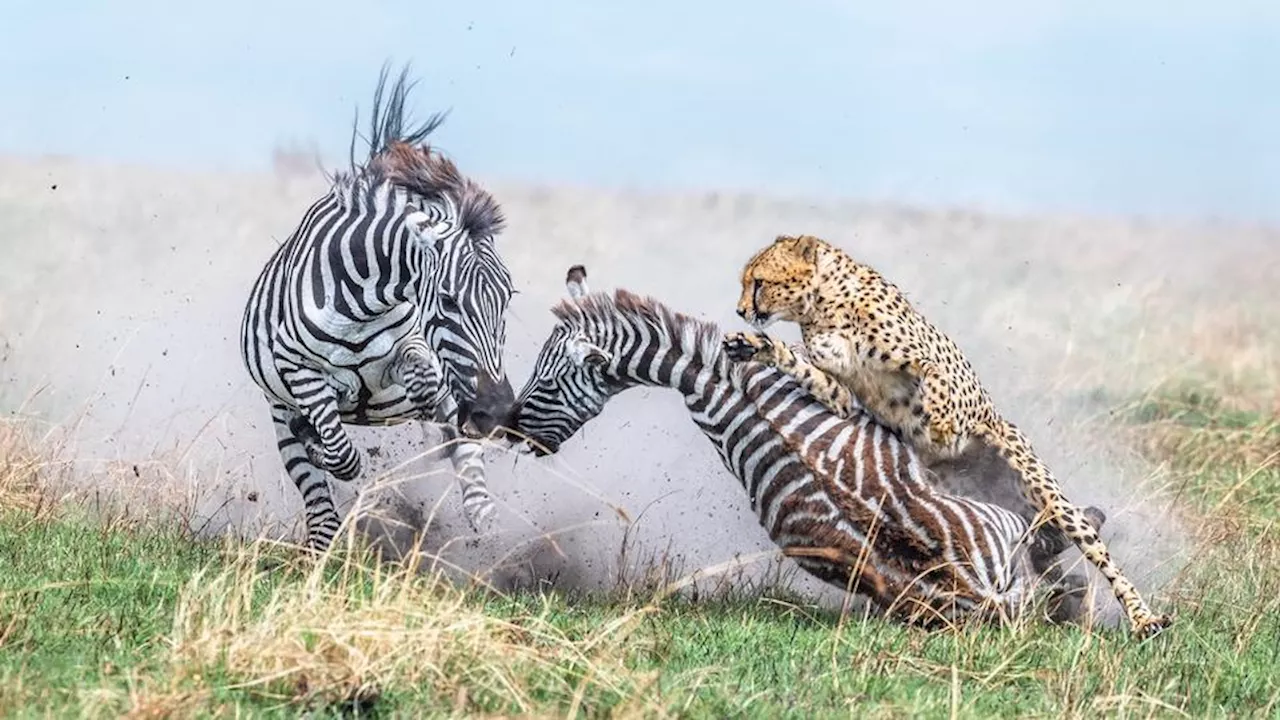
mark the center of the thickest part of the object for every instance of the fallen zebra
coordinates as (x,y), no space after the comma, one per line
(846,498)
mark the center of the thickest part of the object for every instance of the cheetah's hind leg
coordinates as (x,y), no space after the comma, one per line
(1067,590)
(1044,491)
(1048,541)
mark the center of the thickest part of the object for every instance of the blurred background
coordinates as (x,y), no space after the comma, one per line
(1142,107)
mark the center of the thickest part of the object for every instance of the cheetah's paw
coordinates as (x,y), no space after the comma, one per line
(1151,625)
(741,347)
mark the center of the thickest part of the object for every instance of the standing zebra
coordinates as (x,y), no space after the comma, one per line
(846,498)
(387,303)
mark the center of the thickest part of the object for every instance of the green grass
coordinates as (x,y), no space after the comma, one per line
(78,604)
(1226,457)
(98,621)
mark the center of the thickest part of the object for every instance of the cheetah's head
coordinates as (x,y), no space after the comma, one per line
(778,283)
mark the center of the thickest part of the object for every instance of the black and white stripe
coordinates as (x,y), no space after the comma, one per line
(386,304)
(847,499)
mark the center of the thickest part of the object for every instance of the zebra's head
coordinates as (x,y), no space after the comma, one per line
(465,306)
(570,383)
(463,287)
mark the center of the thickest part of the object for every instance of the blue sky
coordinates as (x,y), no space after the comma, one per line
(1140,107)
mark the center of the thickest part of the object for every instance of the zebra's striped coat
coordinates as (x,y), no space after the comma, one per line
(847,499)
(386,304)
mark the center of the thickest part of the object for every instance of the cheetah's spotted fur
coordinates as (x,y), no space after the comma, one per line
(865,340)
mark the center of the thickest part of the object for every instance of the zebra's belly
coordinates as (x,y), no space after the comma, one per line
(387,407)
(350,376)
(377,400)
(370,396)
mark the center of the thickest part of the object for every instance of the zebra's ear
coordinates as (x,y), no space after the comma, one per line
(576,282)
(437,231)
(419,221)
(583,352)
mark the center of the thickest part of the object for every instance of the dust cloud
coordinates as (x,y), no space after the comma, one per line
(123,289)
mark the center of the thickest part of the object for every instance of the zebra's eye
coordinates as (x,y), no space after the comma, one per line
(448,303)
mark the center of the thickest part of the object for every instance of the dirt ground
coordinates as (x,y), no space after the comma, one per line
(121,290)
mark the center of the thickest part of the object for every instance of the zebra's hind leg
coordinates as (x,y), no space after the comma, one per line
(419,371)
(326,442)
(1067,591)
(322,517)
(1048,542)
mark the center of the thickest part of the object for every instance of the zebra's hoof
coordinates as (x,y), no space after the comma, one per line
(1096,517)
(348,468)
(1066,599)
(481,521)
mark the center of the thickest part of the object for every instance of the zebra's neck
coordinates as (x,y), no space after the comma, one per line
(365,226)
(662,355)
(686,357)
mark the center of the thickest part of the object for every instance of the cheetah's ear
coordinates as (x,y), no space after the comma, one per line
(806,248)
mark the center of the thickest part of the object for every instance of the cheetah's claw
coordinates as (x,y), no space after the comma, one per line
(741,347)
(1152,625)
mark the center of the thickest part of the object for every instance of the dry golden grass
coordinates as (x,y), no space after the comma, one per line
(344,629)
(1200,439)
(1234,348)
(1208,416)
(20,464)
(41,477)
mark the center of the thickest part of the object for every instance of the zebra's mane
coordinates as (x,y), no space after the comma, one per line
(602,310)
(400,154)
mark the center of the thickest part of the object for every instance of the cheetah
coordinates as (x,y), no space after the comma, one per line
(867,345)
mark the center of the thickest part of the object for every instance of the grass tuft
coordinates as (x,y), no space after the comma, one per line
(1226,456)
(345,632)
(20,464)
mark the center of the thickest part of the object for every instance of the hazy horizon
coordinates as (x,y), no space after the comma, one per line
(1135,110)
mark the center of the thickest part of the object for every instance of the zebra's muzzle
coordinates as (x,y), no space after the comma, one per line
(490,411)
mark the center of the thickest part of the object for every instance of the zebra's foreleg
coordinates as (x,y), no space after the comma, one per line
(419,371)
(322,517)
(467,457)
(327,444)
